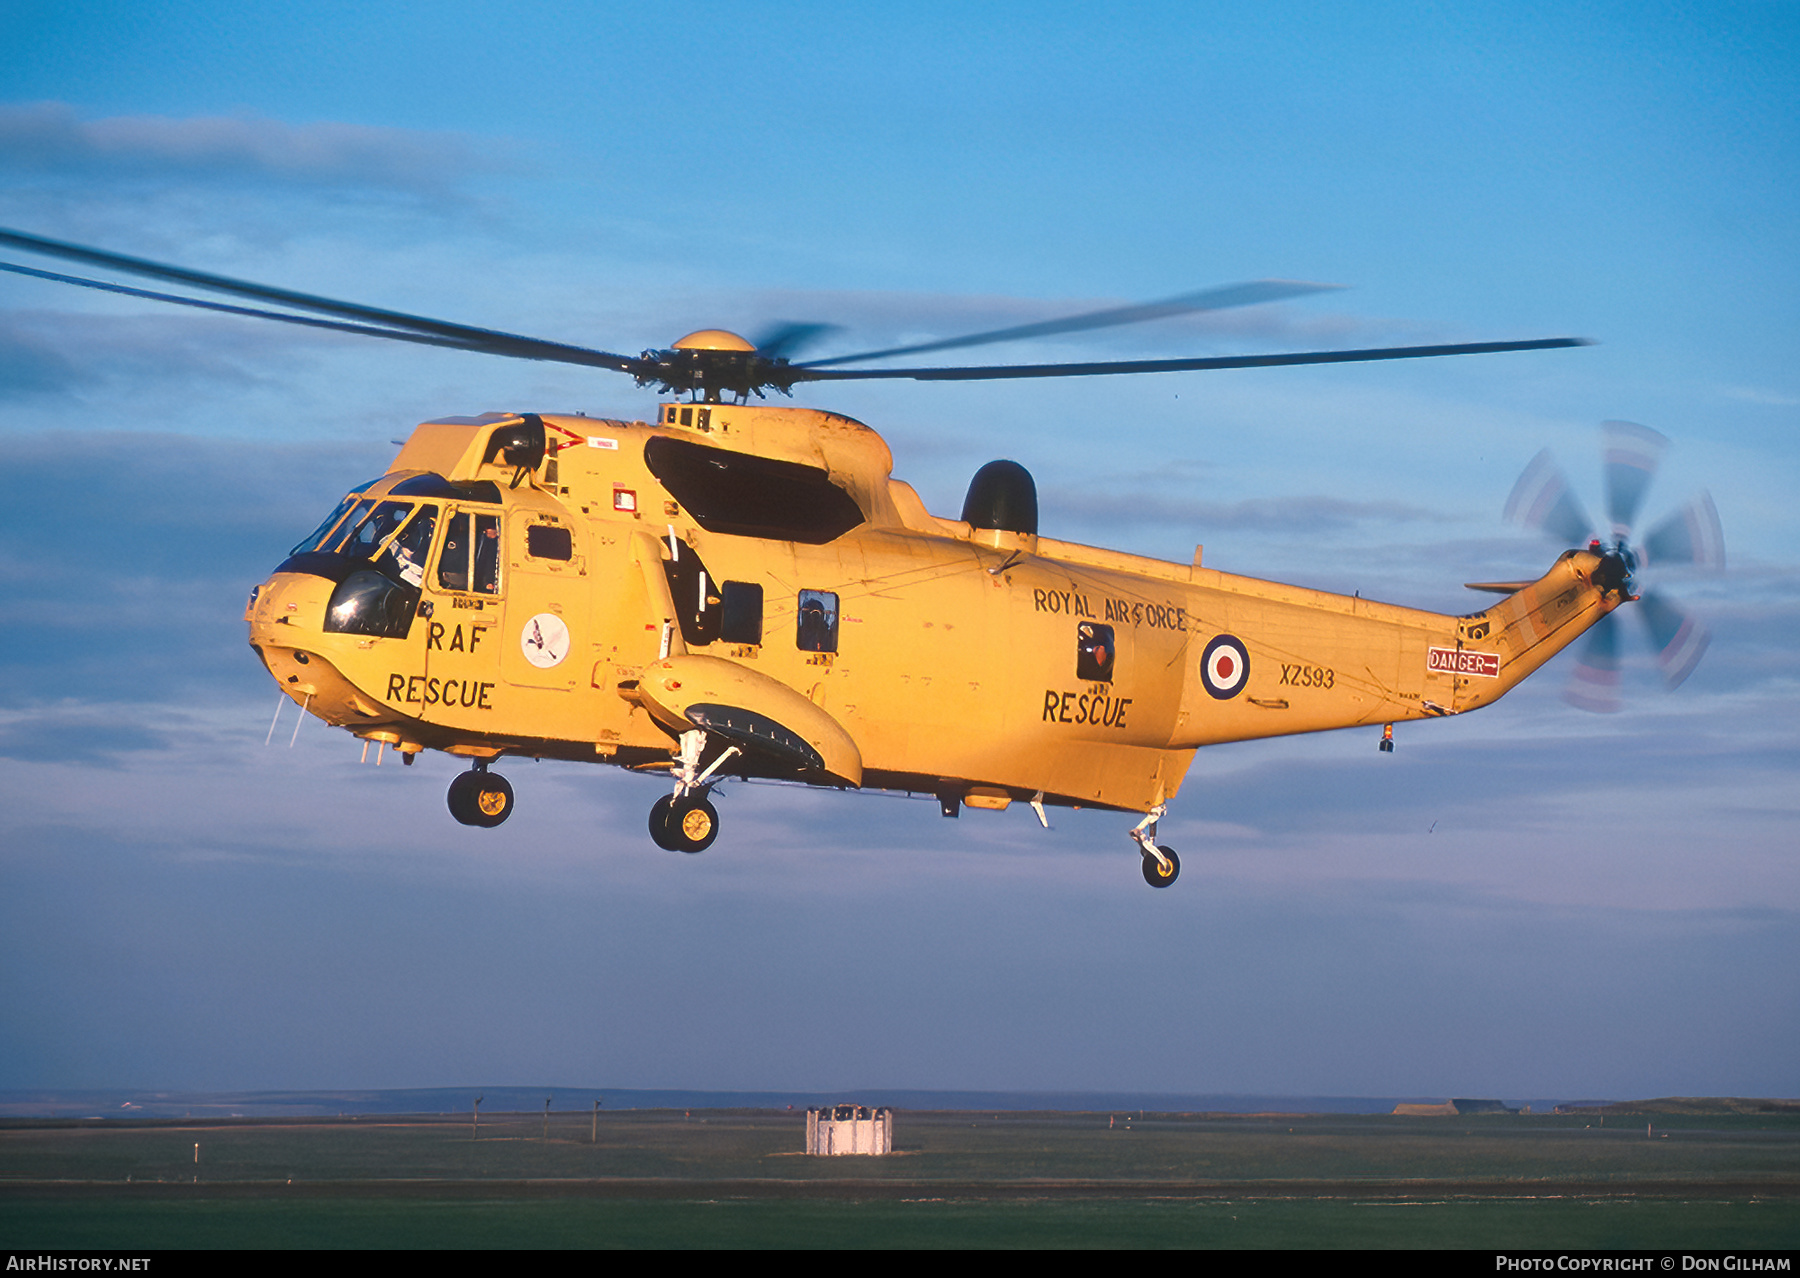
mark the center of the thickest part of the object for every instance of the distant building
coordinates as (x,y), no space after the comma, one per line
(1461,1105)
(850,1129)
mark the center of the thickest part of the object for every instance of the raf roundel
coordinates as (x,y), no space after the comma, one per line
(1225,667)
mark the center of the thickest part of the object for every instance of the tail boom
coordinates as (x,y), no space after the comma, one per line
(1318,661)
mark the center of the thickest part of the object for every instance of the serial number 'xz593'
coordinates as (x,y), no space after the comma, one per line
(1308,676)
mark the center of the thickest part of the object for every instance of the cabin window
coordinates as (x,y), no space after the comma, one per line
(818,627)
(547,541)
(743,603)
(750,496)
(470,561)
(1094,653)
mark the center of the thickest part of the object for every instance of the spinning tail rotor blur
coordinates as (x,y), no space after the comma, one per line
(1690,537)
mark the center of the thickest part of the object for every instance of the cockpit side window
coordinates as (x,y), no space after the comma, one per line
(377,528)
(453,563)
(470,560)
(405,555)
(487,554)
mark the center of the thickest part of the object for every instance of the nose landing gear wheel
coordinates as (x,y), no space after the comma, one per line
(1154,873)
(480,798)
(688,824)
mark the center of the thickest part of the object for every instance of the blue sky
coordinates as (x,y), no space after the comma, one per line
(1530,901)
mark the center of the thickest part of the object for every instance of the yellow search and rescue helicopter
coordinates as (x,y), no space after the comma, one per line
(737,589)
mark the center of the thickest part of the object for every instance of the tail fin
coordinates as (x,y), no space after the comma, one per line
(1536,621)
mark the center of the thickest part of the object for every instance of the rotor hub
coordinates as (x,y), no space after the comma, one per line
(710,363)
(713,339)
(1616,567)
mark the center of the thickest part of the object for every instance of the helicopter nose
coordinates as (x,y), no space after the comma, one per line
(287,604)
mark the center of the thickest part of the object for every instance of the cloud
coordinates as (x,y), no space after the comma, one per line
(1315,514)
(163,863)
(94,735)
(127,558)
(866,320)
(55,353)
(32,362)
(49,139)
(1171,497)
(1758,395)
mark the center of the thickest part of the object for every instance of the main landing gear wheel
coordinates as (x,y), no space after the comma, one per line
(1154,873)
(659,823)
(688,824)
(480,798)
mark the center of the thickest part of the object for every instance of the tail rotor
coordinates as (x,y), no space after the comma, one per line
(1690,537)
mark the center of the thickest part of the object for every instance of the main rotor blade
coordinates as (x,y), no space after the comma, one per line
(309,321)
(380,323)
(1680,637)
(811,373)
(1594,682)
(1632,454)
(785,338)
(1691,535)
(224,284)
(1210,299)
(1542,500)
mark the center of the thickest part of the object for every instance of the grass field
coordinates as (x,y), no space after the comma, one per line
(728,1178)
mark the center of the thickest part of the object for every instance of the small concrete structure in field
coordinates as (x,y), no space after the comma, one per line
(1455,1106)
(850,1129)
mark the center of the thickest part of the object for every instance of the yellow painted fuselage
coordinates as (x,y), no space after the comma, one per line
(988,664)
